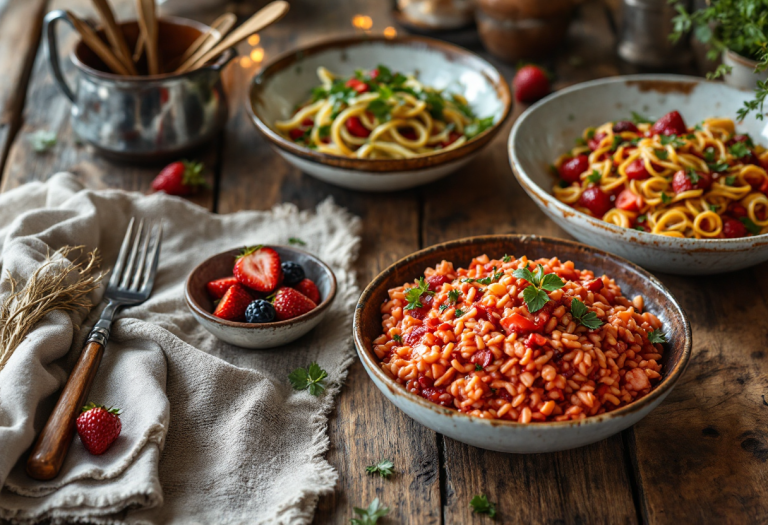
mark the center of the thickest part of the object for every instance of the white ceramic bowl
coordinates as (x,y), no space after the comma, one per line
(288,80)
(547,130)
(264,335)
(509,436)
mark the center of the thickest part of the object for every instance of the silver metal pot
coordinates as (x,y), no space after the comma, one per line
(143,118)
(644,34)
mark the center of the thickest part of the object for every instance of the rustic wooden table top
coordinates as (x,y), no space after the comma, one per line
(701,457)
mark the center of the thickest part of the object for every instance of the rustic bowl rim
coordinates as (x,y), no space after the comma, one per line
(324,304)
(380,166)
(668,381)
(549,199)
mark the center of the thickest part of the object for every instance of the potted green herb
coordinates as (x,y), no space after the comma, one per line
(737,30)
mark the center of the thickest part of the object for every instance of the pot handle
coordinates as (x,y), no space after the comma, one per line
(52,49)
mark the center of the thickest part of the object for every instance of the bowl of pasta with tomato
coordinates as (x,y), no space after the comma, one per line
(379,114)
(667,171)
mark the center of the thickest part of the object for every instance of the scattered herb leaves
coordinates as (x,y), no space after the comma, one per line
(709,154)
(739,150)
(584,315)
(459,312)
(413,295)
(398,338)
(506,258)
(666,199)
(594,177)
(661,154)
(370,515)
(535,295)
(383,468)
(477,127)
(637,118)
(730,179)
(718,167)
(309,378)
(481,505)
(478,368)
(671,139)
(296,241)
(42,140)
(454,295)
(656,336)
(753,228)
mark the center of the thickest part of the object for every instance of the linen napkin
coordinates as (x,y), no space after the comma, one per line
(211,433)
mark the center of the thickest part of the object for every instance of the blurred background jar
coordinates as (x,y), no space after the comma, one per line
(644,34)
(434,15)
(523,29)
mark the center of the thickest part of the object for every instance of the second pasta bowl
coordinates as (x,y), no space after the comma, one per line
(334,112)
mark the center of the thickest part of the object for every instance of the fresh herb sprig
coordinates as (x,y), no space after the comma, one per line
(582,314)
(413,295)
(535,295)
(42,140)
(310,378)
(370,515)
(656,336)
(383,468)
(481,505)
(296,241)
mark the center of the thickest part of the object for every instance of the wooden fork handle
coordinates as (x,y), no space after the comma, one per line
(53,442)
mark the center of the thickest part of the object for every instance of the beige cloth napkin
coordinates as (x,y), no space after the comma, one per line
(211,433)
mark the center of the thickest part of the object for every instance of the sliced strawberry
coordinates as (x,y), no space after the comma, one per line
(624,125)
(234,303)
(309,288)
(636,170)
(733,228)
(258,268)
(355,127)
(629,201)
(219,287)
(290,303)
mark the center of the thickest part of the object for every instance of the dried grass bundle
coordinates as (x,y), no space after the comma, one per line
(49,289)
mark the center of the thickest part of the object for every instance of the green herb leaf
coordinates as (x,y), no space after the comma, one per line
(481,505)
(594,177)
(296,241)
(671,139)
(641,219)
(713,208)
(551,282)
(692,175)
(465,109)
(709,154)
(383,468)
(454,295)
(753,228)
(580,141)
(506,258)
(370,515)
(666,199)
(444,307)
(413,295)
(590,133)
(398,338)
(435,103)
(534,298)
(324,131)
(459,312)
(730,179)
(380,109)
(477,127)
(719,167)
(656,336)
(309,378)
(524,273)
(584,315)
(739,150)
(661,154)
(637,118)
(478,368)
(318,92)
(42,140)
(616,141)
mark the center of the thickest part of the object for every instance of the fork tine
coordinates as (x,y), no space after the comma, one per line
(141,262)
(149,277)
(118,269)
(132,260)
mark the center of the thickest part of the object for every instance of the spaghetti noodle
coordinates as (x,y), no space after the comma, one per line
(665,178)
(380,114)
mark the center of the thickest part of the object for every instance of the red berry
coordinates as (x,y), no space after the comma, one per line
(355,127)
(290,303)
(595,141)
(296,134)
(683,181)
(635,170)
(453,136)
(531,84)
(670,124)
(357,85)
(596,201)
(624,125)
(629,201)
(258,268)
(98,427)
(408,133)
(309,288)
(180,178)
(737,210)
(733,228)
(233,305)
(571,170)
(219,287)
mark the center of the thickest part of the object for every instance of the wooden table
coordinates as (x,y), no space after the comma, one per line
(701,457)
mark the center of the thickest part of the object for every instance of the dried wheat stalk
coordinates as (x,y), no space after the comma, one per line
(47,290)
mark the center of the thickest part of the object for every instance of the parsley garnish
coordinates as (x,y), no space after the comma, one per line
(318,92)
(309,378)
(535,295)
(753,228)
(656,336)
(453,295)
(478,368)
(595,176)
(718,167)
(584,315)
(481,505)
(692,175)
(637,118)
(641,218)
(296,241)
(709,154)
(730,179)
(666,199)
(380,109)
(477,127)
(398,338)
(661,154)
(553,169)
(42,140)
(459,312)
(413,295)
(506,258)
(671,139)
(444,307)
(580,141)
(713,208)
(616,141)
(383,468)
(370,515)
(324,131)
(466,110)
(739,150)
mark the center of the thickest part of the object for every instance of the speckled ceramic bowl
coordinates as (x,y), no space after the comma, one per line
(288,80)
(265,335)
(547,130)
(508,436)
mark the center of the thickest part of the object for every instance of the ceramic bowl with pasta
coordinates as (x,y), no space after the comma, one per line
(654,168)
(379,114)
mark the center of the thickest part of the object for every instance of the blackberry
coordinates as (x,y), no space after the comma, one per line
(260,311)
(293,273)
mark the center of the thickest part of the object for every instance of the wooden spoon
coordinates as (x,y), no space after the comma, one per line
(270,14)
(148,25)
(93,41)
(218,30)
(115,35)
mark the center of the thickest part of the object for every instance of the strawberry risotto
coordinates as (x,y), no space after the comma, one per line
(520,340)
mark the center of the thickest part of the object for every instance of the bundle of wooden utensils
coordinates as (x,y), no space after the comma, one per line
(118,57)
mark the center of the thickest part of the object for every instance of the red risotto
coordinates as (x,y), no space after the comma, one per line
(520,340)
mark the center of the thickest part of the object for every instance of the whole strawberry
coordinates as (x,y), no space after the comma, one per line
(531,84)
(290,303)
(98,427)
(180,178)
(309,288)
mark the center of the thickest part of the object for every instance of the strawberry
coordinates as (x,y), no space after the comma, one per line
(309,288)
(234,303)
(180,178)
(290,303)
(258,268)
(219,287)
(98,427)
(531,84)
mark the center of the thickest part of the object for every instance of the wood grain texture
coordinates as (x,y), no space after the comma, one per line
(53,443)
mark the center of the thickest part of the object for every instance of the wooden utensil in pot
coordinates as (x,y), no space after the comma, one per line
(115,35)
(96,45)
(205,42)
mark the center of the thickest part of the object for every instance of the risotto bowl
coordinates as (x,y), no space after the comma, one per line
(287,81)
(511,436)
(547,130)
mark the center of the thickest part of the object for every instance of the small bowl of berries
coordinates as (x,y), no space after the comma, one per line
(260,296)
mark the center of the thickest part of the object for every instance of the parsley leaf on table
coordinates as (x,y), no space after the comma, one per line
(656,336)
(413,295)
(309,378)
(383,468)
(481,505)
(584,315)
(296,241)
(42,140)
(370,515)
(753,228)
(535,295)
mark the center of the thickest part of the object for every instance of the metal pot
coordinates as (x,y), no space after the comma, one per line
(644,34)
(143,118)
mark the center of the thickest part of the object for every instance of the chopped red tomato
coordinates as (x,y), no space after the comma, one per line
(670,124)
(374,73)
(737,210)
(594,142)
(436,282)
(733,228)
(415,335)
(296,133)
(357,85)
(308,122)
(453,136)
(635,170)
(624,125)
(571,169)
(596,201)
(629,201)
(595,286)
(535,340)
(682,181)
(356,128)
(517,323)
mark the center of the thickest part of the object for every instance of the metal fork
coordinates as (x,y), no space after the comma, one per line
(130,284)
